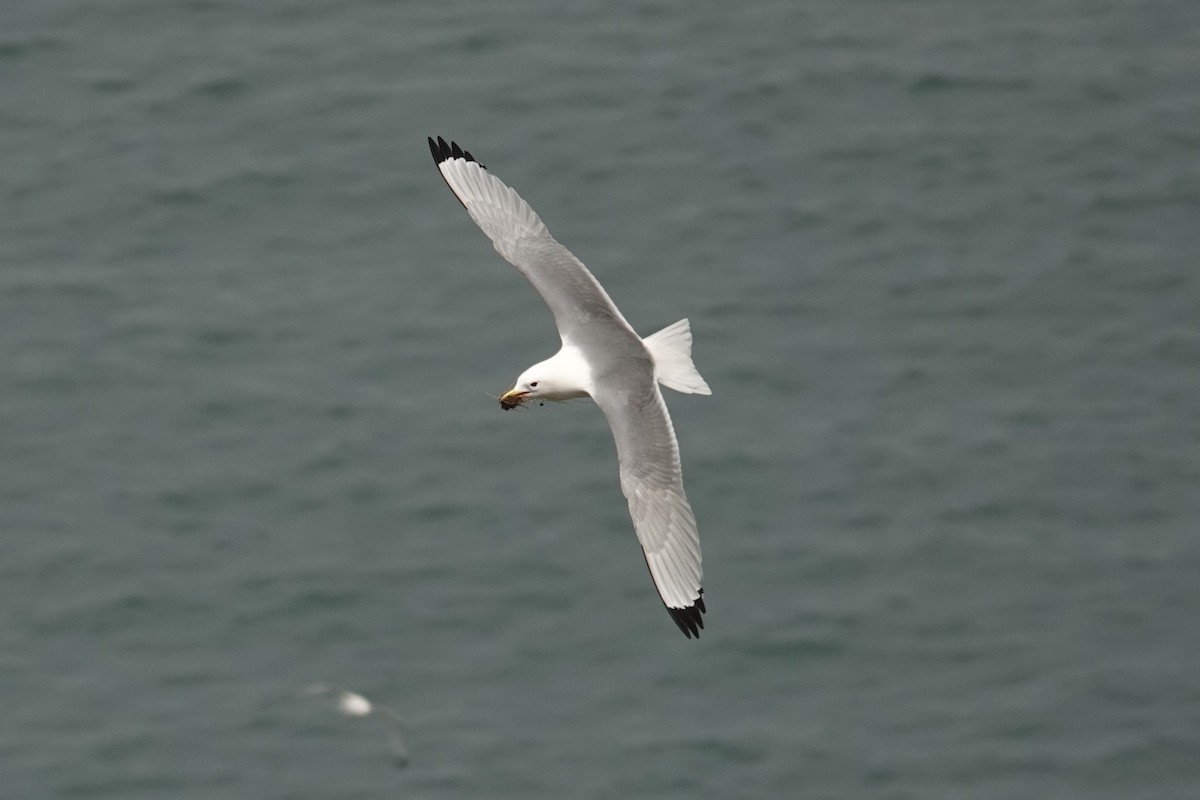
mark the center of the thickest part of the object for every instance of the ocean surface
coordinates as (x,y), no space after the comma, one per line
(940,260)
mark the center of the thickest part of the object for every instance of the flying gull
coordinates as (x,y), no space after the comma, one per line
(355,705)
(602,358)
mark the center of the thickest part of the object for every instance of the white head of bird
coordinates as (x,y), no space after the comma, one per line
(564,376)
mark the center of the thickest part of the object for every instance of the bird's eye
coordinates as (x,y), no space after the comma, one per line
(533,385)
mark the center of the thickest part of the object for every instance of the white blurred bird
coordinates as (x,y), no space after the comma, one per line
(352,704)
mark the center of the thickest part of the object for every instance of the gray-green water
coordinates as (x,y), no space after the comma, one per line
(940,260)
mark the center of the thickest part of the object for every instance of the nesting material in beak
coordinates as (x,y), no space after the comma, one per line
(511,399)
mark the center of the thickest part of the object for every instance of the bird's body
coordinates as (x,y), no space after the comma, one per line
(601,357)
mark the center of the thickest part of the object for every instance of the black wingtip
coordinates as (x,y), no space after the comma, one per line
(689,619)
(443,152)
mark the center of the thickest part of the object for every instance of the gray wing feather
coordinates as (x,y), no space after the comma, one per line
(573,294)
(652,481)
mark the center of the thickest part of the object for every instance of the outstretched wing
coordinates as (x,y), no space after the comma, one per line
(395,730)
(573,294)
(652,480)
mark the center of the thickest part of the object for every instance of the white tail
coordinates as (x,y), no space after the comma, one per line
(671,349)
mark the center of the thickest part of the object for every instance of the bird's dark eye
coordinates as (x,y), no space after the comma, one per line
(533,385)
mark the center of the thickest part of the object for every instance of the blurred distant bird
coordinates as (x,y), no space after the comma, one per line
(355,705)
